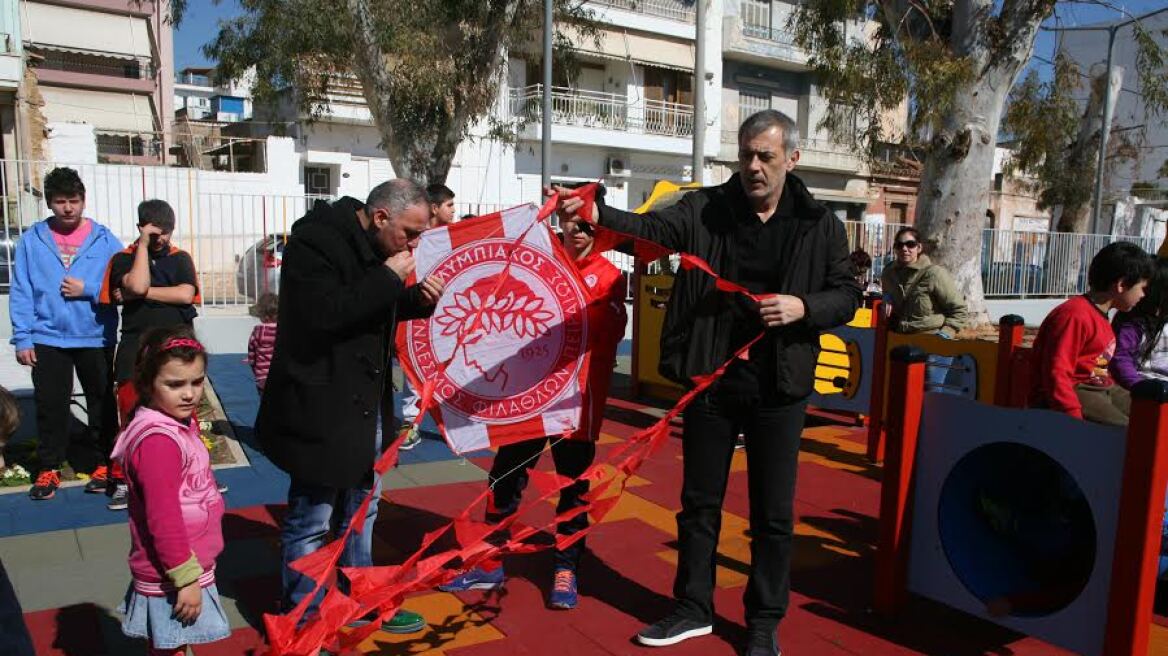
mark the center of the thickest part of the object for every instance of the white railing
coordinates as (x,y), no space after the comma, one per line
(756,23)
(610,111)
(673,9)
(1014,263)
(1041,264)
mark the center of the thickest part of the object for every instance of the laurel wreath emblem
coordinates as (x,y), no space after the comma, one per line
(522,314)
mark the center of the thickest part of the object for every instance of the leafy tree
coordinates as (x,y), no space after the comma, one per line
(429,69)
(1057,146)
(955,62)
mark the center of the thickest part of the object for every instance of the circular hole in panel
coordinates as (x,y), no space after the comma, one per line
(1016,529)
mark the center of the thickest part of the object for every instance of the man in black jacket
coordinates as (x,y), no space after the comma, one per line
(326,402)
(763,230)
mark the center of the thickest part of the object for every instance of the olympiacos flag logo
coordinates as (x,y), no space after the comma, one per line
(512,324)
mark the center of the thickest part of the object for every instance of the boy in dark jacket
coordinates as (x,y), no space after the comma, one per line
(156,285)
(763,230)
(327,400)
(59,327)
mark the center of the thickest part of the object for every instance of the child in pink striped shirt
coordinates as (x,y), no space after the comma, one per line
(263,338)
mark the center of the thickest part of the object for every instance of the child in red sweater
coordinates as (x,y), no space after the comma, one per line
(1076,340)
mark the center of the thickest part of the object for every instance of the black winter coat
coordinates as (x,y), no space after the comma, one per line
(329,375)
(695,338)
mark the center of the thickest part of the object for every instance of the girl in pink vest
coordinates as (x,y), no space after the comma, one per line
(175,509)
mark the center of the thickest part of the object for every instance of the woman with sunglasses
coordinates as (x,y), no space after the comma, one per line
(921,297)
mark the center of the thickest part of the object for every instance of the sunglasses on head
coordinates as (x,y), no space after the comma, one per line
(911,243)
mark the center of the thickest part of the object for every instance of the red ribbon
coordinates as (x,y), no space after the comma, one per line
(380,589)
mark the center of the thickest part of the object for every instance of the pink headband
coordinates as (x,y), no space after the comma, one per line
(180,342)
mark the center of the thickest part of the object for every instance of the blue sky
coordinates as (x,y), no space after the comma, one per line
(200,26)
(203,16)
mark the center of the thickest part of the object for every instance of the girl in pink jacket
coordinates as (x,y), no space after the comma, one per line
(175,509)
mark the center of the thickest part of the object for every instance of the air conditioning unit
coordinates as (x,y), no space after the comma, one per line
(617,168)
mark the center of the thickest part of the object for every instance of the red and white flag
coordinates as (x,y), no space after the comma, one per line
(512,326)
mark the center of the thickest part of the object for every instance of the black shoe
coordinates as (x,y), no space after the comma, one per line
(672,630)
(763,645)
(46,485)
(98,480)
(120,499)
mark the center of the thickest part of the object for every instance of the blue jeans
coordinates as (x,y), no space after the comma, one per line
(314,511)
(937,371)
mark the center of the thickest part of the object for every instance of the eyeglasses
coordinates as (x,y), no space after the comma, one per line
(578,227)
(910,244)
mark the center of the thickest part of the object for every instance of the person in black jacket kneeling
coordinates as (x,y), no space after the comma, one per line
(763,230)
(326,403)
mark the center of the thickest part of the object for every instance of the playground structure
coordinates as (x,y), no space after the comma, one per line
(1045,524)
(1073,562)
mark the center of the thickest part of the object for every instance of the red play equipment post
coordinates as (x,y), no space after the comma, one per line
(876,400)
(1138,529)
(906,389)
(1010,329)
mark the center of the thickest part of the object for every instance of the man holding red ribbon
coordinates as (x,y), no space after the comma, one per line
(763,231)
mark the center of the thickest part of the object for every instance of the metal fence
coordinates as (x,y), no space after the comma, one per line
(236,234)
(680,11)
(1014,263)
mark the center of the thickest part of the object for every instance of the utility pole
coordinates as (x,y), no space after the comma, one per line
(699,111)
(1108,102)
(545,145)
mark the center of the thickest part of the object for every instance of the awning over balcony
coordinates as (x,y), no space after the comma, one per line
(103,110)
(624,46)
(91,31)
(48,47)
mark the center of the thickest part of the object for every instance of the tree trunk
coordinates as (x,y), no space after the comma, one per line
(955,183)
(1065,255)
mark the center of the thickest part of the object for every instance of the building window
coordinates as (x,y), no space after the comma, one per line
(756,18)
(752,100)
(318,180)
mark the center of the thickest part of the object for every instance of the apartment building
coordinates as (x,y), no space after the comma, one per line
(11,75)
(763,68)
(196,93)
(103,69)
(626,116)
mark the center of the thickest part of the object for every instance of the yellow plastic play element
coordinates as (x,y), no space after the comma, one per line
(983,352)
(652,294)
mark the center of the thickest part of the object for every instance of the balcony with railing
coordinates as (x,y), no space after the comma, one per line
(672,9)
(94,71)
(757,32)
(824,154)
(116,147)
(192,79)
(598,110)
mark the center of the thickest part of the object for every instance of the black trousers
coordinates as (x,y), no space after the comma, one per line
(52,381)
(509,478)
(772,431)
(14,638)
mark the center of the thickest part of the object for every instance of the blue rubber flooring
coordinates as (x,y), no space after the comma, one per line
(260,482)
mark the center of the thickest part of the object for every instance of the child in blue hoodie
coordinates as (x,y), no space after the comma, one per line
(58,326)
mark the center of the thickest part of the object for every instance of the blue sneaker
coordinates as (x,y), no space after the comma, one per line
(563,595)
(475,579)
